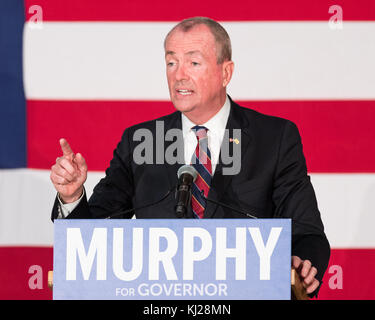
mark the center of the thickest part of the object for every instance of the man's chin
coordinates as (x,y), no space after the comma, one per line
(183,106)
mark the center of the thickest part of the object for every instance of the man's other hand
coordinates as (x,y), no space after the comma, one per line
(307,273)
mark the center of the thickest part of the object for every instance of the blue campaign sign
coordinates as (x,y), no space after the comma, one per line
(213,259)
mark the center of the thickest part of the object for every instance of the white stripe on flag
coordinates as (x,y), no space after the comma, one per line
(273,60)
(26,201)
(345,202)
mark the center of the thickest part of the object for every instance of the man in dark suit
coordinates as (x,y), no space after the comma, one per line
(272,180)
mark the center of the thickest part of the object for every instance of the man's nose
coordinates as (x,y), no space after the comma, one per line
(181,73)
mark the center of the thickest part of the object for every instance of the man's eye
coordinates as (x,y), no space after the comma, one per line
(195,63)
(170,64)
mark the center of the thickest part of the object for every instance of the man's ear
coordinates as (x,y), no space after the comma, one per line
(228,67)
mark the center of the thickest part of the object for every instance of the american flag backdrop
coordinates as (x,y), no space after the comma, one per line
(85,70)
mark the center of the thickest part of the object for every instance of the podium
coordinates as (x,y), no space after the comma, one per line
(177,259)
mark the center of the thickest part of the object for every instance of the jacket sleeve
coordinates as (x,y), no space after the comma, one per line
(294,198)
(113,194)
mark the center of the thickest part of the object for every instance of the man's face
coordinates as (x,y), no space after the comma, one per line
(195,80)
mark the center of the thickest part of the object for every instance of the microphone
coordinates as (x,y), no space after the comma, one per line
(240,210)
(186,176)
(142,207)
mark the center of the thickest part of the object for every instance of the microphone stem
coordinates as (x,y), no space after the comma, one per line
(142,207)
(227,206)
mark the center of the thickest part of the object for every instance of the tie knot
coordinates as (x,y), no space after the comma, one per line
(200,131)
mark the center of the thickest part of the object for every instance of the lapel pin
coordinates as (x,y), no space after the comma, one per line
(236,141)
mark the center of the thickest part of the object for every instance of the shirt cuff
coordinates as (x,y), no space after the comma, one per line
(66,208)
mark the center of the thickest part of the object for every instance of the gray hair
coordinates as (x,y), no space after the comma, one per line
(223,44)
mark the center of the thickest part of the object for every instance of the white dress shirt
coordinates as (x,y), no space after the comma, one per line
(215,134)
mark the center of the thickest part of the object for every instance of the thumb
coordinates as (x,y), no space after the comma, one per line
(80,161)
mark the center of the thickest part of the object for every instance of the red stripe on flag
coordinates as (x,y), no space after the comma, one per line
(356,266)
(15,277)
(238,10)
(92,128)
(338,136)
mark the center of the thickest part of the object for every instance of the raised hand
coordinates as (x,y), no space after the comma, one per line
(69,173)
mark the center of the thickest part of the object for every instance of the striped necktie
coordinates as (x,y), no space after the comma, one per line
(201,161)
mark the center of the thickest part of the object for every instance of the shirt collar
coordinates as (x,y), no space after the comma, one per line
(216,124)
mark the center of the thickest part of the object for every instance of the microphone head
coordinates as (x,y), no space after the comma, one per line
(187,169)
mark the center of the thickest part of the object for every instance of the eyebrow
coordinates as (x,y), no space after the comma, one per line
(187,53)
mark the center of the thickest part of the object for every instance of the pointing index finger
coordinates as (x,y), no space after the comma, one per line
(65,147)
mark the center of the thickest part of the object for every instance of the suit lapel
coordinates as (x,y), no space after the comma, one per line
(220,181)
(171,169)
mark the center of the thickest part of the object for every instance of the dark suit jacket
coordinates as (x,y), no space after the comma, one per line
(272,183)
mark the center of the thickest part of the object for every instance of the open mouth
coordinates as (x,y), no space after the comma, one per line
(184,92)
